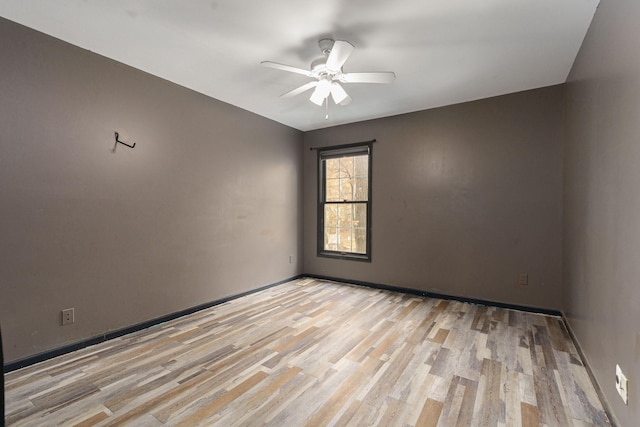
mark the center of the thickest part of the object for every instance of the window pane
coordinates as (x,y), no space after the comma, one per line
(361,189)
(361,166)
(331,239)
(360,240)
(330,215)
(344,241)
(333,190)
(332,168)
(345,215)
(360,215)
(346,189)
(346,167)
(345,227)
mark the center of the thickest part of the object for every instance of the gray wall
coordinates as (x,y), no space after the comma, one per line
(207,205)
(464,198)
(602,200)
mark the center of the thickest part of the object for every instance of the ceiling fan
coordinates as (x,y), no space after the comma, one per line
(328,74)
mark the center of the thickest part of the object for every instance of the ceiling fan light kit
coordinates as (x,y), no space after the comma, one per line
(328,74)
(323,88)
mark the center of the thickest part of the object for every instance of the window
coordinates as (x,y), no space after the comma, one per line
(344,209)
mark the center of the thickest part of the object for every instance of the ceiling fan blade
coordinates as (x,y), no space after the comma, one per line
(287,68)
(299,90)
(339,54)
(346,101)
(339,95)
(381,77)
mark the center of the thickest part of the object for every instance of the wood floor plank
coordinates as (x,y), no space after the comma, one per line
(93,420)
(452,403)
(512,399)
(316,353)
(529,415)
(430,414)
(489,393)
(550,407)
(345,392)
(392,413)
(203,413)
(314,397)
(275,404)
(465,416)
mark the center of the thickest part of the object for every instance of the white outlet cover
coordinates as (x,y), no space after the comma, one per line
(622,384)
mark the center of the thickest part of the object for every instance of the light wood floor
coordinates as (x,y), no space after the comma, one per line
(313,353)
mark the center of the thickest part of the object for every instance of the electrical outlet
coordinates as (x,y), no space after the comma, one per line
(523,279)
(68,316)
(290,259)
(622,384)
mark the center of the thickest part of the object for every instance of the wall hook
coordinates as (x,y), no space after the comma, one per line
(121,142)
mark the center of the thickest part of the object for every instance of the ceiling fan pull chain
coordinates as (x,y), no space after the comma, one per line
(326,103)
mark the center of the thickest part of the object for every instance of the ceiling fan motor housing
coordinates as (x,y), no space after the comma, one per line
(325,46)
(319,65)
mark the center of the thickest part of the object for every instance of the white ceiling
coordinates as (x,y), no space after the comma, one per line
(442,51)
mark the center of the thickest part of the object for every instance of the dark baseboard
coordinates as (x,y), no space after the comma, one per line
(592,377)
(428,294)
(40,357)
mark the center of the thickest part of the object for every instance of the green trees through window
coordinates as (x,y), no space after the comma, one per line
(344,209)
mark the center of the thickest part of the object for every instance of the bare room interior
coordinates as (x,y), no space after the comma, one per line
(302,214)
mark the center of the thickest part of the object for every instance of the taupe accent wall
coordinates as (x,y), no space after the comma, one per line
(602,201)
(207,205)
(464,199)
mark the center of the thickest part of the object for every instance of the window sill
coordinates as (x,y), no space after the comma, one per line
(345,256)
